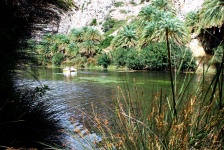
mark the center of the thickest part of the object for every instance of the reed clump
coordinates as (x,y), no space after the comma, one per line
(152,124)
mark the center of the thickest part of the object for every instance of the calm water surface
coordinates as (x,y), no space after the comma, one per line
(73,95)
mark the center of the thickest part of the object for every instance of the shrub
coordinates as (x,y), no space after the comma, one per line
(118,4)
(122,11)
(134,61)
(57,59)
(93,22)
(119,57)
(80,61)
(106,42)
(155,56)
(183,58)
(104,60)
(109,23)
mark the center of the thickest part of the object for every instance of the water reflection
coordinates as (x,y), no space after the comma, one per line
(73,94)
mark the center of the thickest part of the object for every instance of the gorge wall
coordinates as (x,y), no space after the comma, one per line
(87,10)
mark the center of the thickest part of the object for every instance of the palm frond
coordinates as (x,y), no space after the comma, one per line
(212,13)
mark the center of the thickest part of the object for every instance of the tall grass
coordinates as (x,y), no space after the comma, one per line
(140,124)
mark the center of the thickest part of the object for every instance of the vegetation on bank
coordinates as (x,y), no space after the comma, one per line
(154,41)
(188,117)
(86,46)
(137,45)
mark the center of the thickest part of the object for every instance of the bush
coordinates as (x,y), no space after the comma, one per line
(118,4)
(128,57)
(122,11)
(106,42)
(80,61)
(104,60)
(109,23)
(155,56)
(93,22)
(119,57)
(57,59)
(183,58)
(134,61)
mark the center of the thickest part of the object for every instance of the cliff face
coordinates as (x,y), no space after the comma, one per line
(118,9)
(99,10)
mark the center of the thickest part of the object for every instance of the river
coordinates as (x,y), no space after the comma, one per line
(75,95)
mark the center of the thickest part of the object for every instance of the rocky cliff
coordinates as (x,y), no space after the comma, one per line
(87,10)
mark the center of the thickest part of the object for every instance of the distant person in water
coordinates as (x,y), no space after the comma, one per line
(67,68)
(72,68)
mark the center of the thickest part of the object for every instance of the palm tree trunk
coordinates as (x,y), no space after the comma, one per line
(171,76)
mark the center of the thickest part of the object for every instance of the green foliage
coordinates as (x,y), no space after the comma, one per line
(134,61)
(127,57)
(92,34)
(110,25)
(72,50)
(49,47)
(176,29)
(192,19)
(212,13)
(218,55)
(182,58)
(155,56)
(146,13)
(147,34)
(118,4)
(123,11)
(106,42)
(76,35)
(119,57)
(57,59)
(79,61)
(93,22)
(88,48)
(164,5)
(126,38)
(104,60)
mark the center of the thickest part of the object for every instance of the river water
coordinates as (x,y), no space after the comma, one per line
(77,94)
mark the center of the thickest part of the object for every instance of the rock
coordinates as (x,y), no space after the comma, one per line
(196,48)
(100,9)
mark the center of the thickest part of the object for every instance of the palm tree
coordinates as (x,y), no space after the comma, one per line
(88,48)
(212,13)
(146,12)
(126,38)
(192,21)
(61,41)
(76,35)
(169,28)
(147,33)
(93,35)
(164,5)
(72,51)
(145,15)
